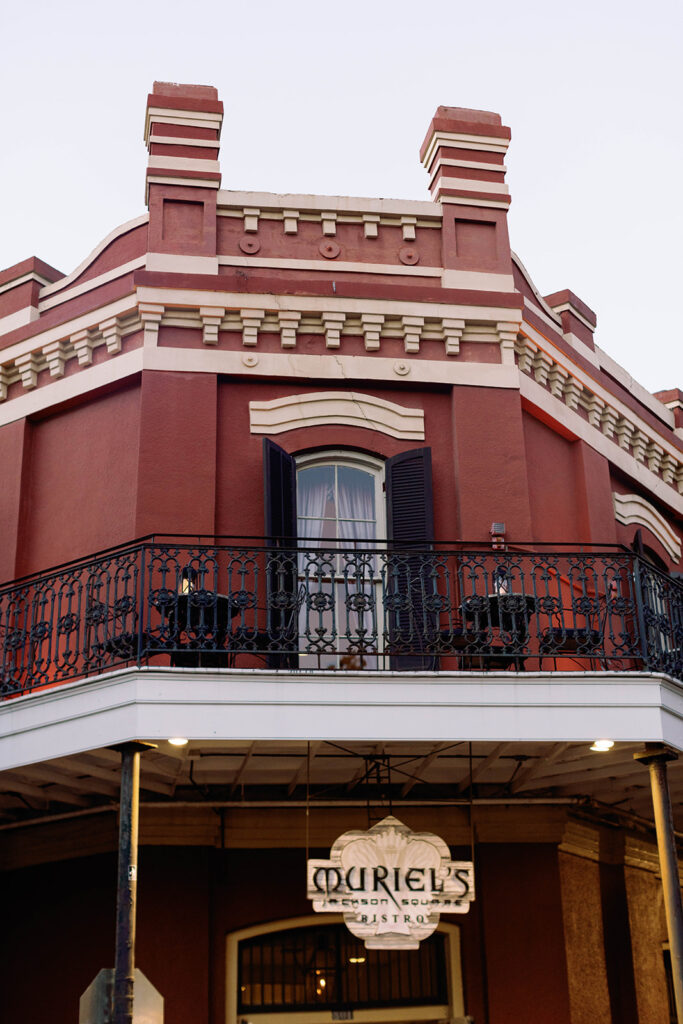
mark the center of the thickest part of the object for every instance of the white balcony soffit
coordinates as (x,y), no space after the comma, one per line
(155,703)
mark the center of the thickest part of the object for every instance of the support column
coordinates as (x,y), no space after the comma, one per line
(655,757)
(126,896)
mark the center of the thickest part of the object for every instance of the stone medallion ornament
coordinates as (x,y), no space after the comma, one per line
(391,884)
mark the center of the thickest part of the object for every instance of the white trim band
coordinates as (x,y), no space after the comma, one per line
(340,408)
(329,266)
(631,509)
(183,163)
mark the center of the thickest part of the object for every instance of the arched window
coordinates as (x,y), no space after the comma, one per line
(340,507)
(340,497)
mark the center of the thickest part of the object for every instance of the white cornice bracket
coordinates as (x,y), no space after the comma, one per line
(332,324)
(251,322)
(55,355)
(372,328)
(111,332)
(211,321)
(28,366)
(452,333)
(412,332)
(288,321)
(151,315)
(83,344)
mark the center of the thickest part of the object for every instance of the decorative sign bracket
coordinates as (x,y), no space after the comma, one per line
(391,884)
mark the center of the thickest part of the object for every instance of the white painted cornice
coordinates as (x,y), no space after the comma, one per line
(640,393)
(535,342)
(547,377)
(320,204)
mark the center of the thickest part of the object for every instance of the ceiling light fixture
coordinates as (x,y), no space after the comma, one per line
(602,745)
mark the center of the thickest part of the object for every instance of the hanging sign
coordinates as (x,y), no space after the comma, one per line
(391,884)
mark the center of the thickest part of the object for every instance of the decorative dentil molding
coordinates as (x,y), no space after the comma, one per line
(559,381)
(335,325)
(54,355)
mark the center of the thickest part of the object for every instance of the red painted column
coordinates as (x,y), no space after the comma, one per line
(490,463)
(595,507)
(176,484)
(14,455)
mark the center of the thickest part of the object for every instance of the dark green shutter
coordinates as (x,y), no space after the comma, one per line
(410,524)
(282,613)
(410,506)
(279,488)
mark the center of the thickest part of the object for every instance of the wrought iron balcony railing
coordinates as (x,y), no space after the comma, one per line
(340,605)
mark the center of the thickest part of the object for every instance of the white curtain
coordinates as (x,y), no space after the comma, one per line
(313,489)
(356,493)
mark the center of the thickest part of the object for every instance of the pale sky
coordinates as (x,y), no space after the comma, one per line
(336,99)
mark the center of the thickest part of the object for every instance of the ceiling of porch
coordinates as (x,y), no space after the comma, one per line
(386,775)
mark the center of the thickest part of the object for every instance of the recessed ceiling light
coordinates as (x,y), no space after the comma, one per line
(177,741)
(602,745)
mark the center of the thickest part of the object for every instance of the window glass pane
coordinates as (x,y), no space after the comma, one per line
(352,529)
(356,494)
(316,501)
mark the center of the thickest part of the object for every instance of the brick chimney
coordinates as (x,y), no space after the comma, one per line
(182,132)
(464,152)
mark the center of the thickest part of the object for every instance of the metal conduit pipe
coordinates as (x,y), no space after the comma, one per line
(265,804)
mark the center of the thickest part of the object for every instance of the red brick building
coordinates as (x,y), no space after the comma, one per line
(325,486)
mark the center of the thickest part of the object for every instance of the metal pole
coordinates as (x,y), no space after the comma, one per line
(655,756)
(126,897)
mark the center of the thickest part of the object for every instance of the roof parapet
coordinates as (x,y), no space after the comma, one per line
(578,319)
(20,287)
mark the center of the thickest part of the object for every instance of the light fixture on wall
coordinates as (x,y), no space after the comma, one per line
(497,532)
(177,741)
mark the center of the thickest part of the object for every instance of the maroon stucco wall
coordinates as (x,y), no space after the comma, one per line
(61,917)
(80,480)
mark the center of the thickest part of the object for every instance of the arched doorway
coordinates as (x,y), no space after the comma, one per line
(313,971)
